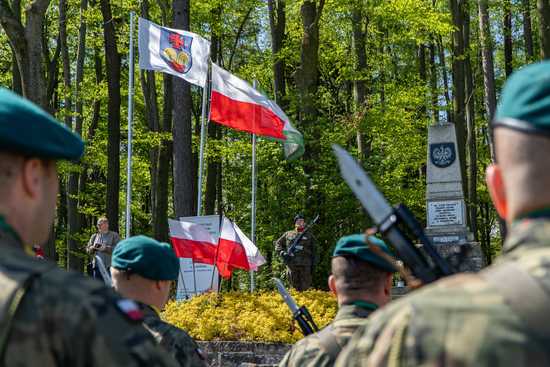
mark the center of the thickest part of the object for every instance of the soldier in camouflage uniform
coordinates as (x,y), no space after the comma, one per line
(50,317)
(498,317)
(300,266)
(362,282)
(143,270)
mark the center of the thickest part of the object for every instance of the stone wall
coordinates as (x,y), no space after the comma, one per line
(242,354)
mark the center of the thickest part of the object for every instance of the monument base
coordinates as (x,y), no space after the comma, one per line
(465,257)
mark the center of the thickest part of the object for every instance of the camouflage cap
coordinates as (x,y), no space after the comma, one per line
(27,129)
(525,101)
(147,257)
(356,245)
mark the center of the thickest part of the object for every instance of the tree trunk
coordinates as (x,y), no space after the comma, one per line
(214,165)
(359,24)
(307,81)
(73,259)
(488,81)
(182,131)
(488,67)
(507,30)
(527,31)
(160,211)
(544,16)
(277,25)
(96,115)
(441,57)
(26,43)
(471,130)
(112,61)
(458,8)
(149,88)
(433,85)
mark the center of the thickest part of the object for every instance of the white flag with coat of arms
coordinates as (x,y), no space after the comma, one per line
(173,51)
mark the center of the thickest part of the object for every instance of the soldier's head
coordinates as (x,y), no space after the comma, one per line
(520,181)
(31,141)
(358,272)
(144,269)
(299,221)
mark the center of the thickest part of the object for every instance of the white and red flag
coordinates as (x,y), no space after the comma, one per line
(236,251)
(173,51)
(191,240)
(236,104)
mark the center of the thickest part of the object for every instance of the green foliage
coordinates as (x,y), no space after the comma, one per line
(393,120)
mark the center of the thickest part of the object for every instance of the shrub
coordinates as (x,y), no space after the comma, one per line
(261,316)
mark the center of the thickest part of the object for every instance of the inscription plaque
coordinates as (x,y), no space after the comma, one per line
(445,213)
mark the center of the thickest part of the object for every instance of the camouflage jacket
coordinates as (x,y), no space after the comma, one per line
(463,320)
(65,319)
(176,341)
(305,252)
(310,350)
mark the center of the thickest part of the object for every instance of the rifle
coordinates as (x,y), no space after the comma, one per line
(289,253)
(396,224)
(103,271)
(300,314)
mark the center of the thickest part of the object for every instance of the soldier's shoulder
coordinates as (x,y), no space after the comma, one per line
(306,352)
(427,317)
(177,341)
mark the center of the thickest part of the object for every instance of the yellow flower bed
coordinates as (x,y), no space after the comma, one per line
(261,316)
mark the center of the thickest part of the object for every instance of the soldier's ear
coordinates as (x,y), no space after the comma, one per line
(495,184)
(332,284)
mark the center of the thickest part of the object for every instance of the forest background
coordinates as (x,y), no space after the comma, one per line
(368,75)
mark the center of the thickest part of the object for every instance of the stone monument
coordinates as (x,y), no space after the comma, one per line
(445,206)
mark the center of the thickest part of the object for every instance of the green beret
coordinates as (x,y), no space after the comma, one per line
(356,246)
(147,257)
(525,101)
(27,129)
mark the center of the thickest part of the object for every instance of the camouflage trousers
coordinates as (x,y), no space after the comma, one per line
(300,277)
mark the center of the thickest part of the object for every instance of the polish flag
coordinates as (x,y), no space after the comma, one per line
(191,240)
(236,104)
(236,251)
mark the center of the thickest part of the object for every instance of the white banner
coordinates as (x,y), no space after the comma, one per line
(173,51)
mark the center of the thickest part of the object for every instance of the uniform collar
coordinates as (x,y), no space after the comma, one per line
(13,237)
(534,214)
(355,309)
(527,232)
(149,310)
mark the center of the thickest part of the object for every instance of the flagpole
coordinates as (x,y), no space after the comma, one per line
(130,117)
(202,143)
(253,206)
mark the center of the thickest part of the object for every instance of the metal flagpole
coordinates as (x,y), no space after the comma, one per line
(202,144)
(253,206)
(130,117)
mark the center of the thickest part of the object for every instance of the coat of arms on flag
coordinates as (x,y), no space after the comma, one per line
(175,49)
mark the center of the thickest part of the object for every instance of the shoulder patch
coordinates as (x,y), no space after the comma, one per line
(130,309)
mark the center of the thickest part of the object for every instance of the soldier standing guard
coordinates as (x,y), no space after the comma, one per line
(300,263)
(143,270)
(50,317)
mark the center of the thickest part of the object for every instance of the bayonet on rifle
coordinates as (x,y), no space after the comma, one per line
(300,314)
(393,223)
